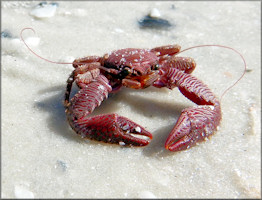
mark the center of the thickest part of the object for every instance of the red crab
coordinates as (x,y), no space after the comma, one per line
(139,68)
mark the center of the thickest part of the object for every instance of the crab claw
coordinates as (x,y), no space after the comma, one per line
(112,128)
(194,125)
(131,133)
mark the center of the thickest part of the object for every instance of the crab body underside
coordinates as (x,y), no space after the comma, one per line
(139,68)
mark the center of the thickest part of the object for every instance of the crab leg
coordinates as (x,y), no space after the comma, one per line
(196,123)
(166,50)
(185,64)
(110,128)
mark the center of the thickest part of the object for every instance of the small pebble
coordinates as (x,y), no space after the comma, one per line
(119,30)
(146,195)
(32,41)
(153,21)
(22,192)
(249,70)
(155,13)
(6,34)
(238,172)
(61,165)
(44,10)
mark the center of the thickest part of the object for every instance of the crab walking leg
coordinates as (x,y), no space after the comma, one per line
(196,123)
(110,128)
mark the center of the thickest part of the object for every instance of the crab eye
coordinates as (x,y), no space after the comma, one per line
(155,67)
(124,72)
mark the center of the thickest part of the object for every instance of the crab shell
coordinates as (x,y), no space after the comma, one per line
(138,66)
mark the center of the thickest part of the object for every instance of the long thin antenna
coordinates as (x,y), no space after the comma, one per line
(226,47)
(21,36)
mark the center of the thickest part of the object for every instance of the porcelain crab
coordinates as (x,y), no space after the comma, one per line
(139,68)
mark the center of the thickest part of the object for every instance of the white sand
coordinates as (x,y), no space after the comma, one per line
(43,158)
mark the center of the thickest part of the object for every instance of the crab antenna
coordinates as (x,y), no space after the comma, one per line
(21,36)
(226,47)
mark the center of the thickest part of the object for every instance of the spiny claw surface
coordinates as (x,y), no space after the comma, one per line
(193,126)
(112,128)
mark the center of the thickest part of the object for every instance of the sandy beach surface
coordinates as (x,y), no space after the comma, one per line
(42,157)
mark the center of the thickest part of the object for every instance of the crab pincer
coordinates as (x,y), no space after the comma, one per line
(131,133)
(114,129)
(194,125)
